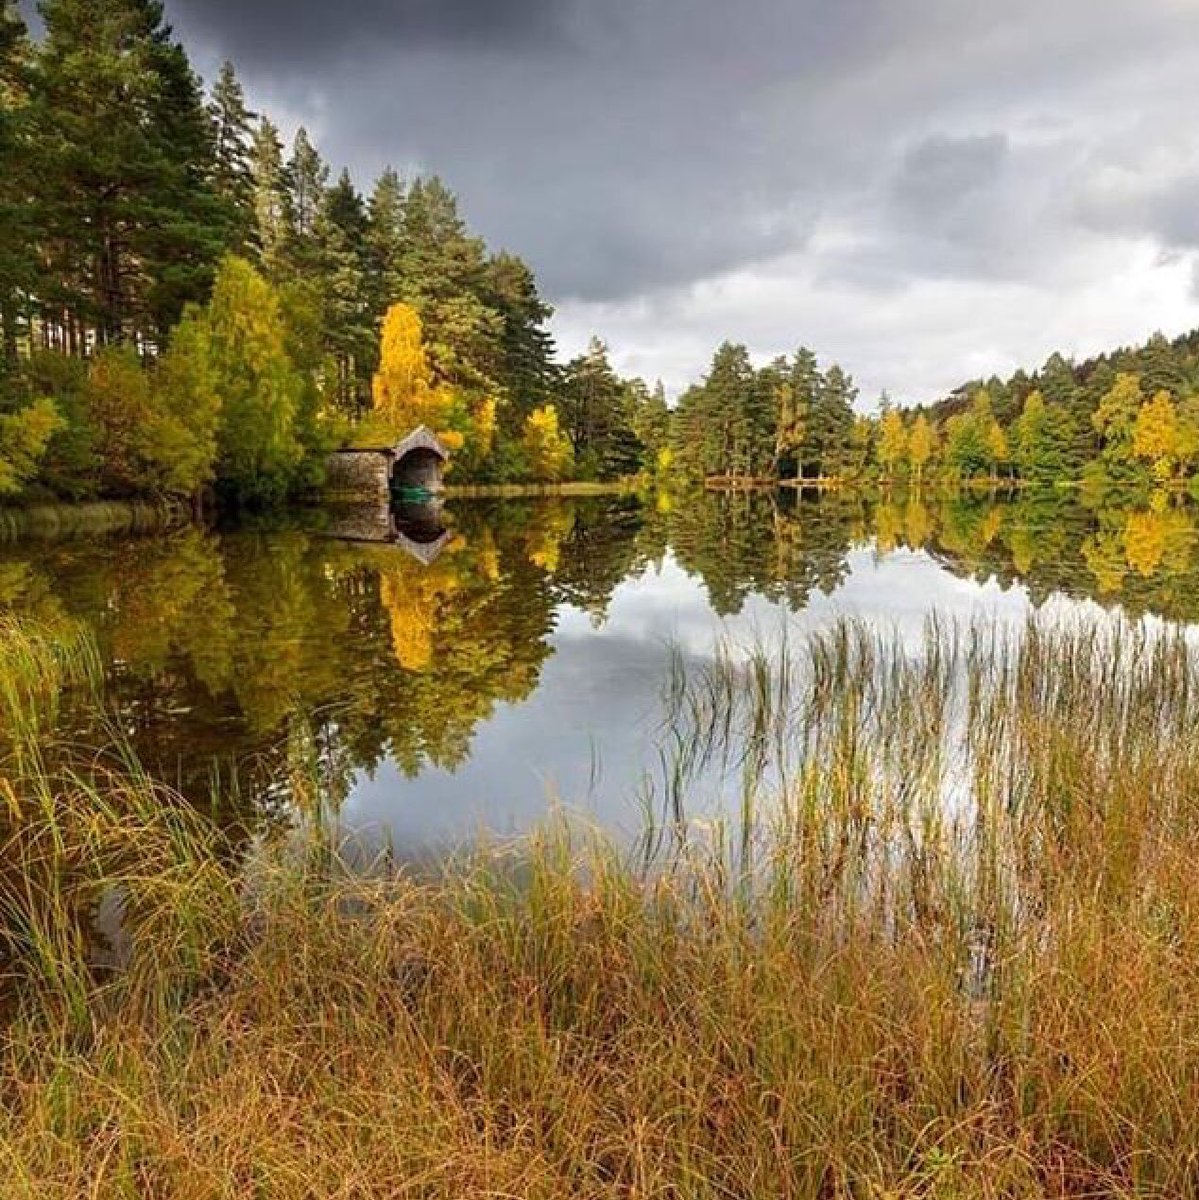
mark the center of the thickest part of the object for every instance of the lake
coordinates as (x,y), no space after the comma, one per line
(511,655)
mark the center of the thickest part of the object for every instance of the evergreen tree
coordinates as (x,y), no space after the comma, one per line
(592,407)
(132,224)
(1044,442)
(975,444)
(650,418)
(442,274)
(385,242)
(1058,383)
(233,177)
(272,201)
(830,423)
(796,425)
(525,352)
(306,179)
(1161,369)
(18,220)
(349,321)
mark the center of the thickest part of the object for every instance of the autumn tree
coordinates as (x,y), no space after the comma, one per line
(188,408)
(404,393)
(922,446)
(546,448)
(893,446)
(1115,422)
(24,436)
(259,445)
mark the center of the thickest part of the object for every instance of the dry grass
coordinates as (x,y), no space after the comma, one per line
(950,949)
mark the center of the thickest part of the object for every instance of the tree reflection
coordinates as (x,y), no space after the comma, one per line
(253,652)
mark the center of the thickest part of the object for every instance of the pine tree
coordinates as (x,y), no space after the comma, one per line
(307,177)
(132,225)
(349,322)
(830,422)
(443,276)
(524,365)
(233,178)
(592,407)
(385,242)
(272,201)
(1058,383)
(1044,443)
(796,430)
(18,220)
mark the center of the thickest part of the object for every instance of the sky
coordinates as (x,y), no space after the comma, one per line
(924,190)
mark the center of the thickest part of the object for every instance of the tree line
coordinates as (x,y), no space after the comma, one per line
(1125,419)
(149,226)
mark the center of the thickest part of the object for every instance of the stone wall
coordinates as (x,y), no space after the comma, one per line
(358,475)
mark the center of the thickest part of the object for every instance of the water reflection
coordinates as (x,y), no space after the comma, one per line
(468,662)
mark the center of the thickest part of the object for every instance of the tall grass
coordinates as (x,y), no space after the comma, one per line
(949,947)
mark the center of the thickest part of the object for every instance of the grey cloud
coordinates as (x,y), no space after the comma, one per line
(1139,203)
(275,34)
(636,148)
(941,174)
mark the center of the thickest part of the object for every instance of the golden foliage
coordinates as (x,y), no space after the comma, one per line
(405,395)
(546,447)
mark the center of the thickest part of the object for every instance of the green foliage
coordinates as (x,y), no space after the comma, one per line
(233,175)
(24,437)
(1045,438)
(190,410)
(596,410)
(261,392)
(131,224)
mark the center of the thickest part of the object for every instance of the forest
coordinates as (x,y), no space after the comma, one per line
(186,304)
(1125,420)
(188,308)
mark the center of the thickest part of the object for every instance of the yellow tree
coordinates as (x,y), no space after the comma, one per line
(892,442)
(922,445)
(546,447)
(404,393)
(24,437)
(1159,438)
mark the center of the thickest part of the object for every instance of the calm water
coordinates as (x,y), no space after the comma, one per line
(469,677)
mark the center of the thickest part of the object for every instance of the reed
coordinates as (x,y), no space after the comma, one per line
(948,946)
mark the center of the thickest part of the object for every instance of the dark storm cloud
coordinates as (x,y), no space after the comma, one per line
(300,35)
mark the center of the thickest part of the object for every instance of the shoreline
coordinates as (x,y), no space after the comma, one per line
(91,518)
(517,490)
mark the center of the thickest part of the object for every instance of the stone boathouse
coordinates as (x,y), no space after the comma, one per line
(370,474)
